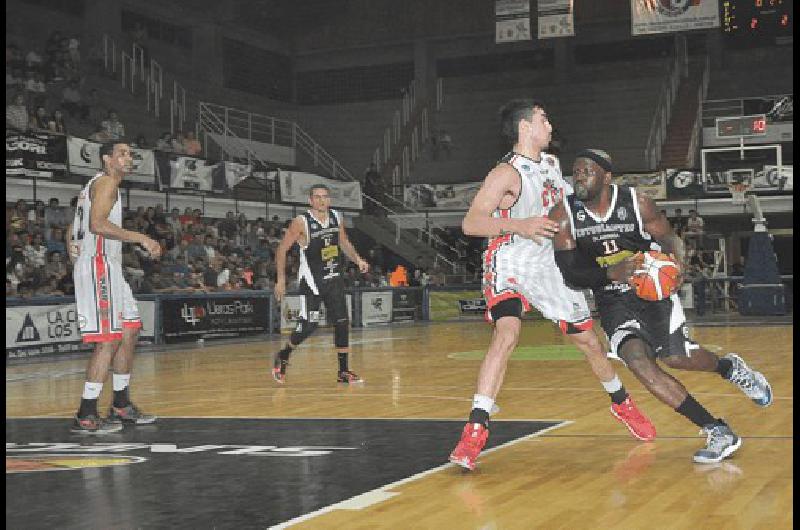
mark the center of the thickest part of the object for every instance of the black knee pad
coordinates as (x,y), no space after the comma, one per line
(302,331)
(341,333)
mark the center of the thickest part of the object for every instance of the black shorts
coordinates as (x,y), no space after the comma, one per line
(332,293)
(660,324)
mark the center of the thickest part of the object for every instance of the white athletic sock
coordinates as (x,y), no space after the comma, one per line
(121,381)
(92,390)
(613,385)
(483,403)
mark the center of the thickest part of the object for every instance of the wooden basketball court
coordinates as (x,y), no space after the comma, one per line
(584,473)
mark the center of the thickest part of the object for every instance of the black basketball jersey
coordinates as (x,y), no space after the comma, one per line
(610,239)
(321,259)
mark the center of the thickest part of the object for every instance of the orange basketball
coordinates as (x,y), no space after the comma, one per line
(657,277)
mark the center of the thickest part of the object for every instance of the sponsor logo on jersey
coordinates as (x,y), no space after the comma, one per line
(622,213)
(580,215)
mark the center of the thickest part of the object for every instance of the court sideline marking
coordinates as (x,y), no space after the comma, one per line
(381,494)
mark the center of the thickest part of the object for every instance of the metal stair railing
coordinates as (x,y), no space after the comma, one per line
(658,127)
(136,76)
(697,129)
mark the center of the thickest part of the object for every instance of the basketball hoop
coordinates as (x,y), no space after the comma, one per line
(737,193)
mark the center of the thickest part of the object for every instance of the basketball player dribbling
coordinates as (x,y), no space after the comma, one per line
(602,227)
(322,238)
(107,312)
(520,271)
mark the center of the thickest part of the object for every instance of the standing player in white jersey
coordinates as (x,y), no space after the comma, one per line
(511,209)
(107,311)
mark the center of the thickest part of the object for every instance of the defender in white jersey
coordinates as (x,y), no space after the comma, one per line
(107,311)
(511,210)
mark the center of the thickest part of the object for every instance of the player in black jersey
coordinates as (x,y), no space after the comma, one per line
(601,229)
(322,239)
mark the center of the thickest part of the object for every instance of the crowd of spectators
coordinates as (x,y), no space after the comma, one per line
(46,91)
(199,254)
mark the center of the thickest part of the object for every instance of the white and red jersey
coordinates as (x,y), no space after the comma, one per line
(91,244)
(518,267)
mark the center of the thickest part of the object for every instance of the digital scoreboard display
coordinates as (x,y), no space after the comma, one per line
(758,18)
(755,125)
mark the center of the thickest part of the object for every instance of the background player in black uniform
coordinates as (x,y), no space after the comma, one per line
(322,238)
(601,228)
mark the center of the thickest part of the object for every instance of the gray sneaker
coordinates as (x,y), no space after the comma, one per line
(721,442)
(752,383)
(92,424)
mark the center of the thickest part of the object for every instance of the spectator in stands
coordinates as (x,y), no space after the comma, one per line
(112,125)
(678,222)
(14,79)
(17,116)
(93,102)
(228,226)
(73,47)
(36,89)
(196,248)
(140,142)
(53,46)
(66,284)
(11,289)
(177,143)
(100,134)
(399,277)
(37,223)
(694,225)
(56,241)
(35,252)
(56,266)
(33,61)
(40,120)
(191,146)
(18,221)
(14,56)
(179,250)
(56,123)
(72,101)
(165,143)
(262,251)
(445,142)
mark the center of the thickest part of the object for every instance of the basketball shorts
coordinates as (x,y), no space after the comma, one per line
(510,272)
(660,324)
(332,293)
(104,300)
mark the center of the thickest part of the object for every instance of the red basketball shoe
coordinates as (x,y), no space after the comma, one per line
(472,441)
(634,420)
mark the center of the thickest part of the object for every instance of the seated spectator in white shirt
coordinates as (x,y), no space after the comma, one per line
(112,125)
(36,88)
(35,252)
(17,116)
(33,60)
(55,215)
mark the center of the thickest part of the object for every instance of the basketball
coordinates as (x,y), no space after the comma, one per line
(657,276)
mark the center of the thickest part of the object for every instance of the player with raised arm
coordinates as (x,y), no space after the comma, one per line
(602,229)
(322,238)
(107,312)
(519,271)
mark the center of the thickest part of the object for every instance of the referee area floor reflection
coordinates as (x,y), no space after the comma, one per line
(217,473)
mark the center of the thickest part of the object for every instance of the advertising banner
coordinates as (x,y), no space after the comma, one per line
(295,186)
(555,18)
(84,159)
(463,305)
(37,155)
(512,20)
(665,16)
(406,305)
(683,183)
(376,307)
(437,196)
(196,317)
(651,184)
(45,329)
(292,306)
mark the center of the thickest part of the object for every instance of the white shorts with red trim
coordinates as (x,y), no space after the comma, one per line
(104,299)
(514,267)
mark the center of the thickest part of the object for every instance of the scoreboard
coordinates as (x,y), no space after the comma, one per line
(758,19)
